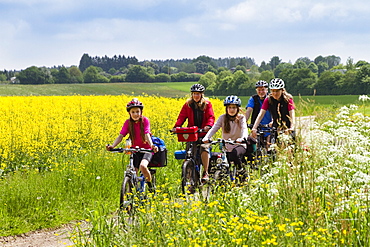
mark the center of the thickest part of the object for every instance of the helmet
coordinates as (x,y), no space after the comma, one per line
(232,100)
(277,83)
(134,103)
(261,84)
(197,88)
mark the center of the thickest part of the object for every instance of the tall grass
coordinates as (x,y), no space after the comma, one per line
(315,196)
(54,170)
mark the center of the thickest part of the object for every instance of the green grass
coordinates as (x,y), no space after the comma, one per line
(170,89)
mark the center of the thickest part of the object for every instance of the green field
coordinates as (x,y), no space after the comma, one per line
(170,89)
(306,105)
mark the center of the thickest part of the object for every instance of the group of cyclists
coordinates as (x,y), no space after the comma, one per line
(275,109)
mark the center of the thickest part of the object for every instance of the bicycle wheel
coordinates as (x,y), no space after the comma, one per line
(127,196)
(273,146)
(188,183)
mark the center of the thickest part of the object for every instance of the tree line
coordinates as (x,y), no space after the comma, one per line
(222,76)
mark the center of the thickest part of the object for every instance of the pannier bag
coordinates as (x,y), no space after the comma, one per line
(180,154)
(187,134)
(159,158)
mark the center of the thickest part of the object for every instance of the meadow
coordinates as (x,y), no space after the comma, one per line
(54,170)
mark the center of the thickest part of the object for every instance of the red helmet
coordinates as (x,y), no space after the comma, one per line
(134,103)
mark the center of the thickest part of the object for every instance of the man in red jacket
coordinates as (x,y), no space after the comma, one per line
(199,112)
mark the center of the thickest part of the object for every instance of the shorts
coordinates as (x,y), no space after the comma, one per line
(140,156)
(203,147)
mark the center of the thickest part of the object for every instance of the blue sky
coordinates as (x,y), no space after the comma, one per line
(59,32)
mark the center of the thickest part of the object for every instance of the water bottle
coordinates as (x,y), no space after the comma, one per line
(128,144)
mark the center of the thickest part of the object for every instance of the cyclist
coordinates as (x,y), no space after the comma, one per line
(234,127)
(138,129)
(254,106)
(281,106)
(199,112)
(255,103)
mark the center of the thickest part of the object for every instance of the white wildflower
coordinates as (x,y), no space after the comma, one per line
(363,98)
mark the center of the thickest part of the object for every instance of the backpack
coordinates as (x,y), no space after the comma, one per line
(159,158)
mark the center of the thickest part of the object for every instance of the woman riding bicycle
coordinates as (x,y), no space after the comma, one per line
(281,106)
(138,129)
(199,112)
(234,127)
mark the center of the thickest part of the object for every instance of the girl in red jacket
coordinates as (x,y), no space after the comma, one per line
(199,112)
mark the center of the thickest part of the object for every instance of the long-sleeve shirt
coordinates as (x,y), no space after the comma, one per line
(237,130)
(187,113)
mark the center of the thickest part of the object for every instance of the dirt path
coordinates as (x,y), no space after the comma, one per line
(43,238)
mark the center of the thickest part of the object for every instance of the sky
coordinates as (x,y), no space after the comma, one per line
(52,33)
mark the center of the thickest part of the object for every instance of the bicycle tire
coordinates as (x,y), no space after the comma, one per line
(127,196)
(188,182)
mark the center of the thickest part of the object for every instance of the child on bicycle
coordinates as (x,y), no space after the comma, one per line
(234,127)
(199,112)
(138,129)
(281,106)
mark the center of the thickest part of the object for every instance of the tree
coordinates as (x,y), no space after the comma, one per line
(137,73)
(274,61)
(151,67)
(85,62)
(240,68)
(2,77)
(281,67)
(299,64)
(91,75)
(332,61)
(313,67)
(63,76)
(162,77)
(319,59)
(31,75)
(361,63)
(350,65)
(306,60)
(299,81)
(75,75)
(326,83)
(266,75)
(322,66)
(264,66)
(253,73)
(239,79)
(201,67)
(208,79)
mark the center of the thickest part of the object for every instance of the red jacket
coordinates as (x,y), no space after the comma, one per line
(187,113)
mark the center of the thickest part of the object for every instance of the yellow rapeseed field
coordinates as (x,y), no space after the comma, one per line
(35,130)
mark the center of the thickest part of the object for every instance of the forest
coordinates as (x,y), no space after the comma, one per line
(222,76)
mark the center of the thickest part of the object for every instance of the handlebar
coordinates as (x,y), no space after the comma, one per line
(132,149)
(250,126)
(198,131)
(219,140)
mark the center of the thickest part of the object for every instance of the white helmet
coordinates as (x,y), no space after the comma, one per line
(277,83)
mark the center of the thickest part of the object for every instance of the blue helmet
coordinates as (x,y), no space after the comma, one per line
(232,100)
(261,83)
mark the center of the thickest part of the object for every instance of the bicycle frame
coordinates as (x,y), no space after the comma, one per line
(132,183)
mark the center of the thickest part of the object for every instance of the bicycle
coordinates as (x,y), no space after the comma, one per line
(133,187)
(220,171)
(191,167)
